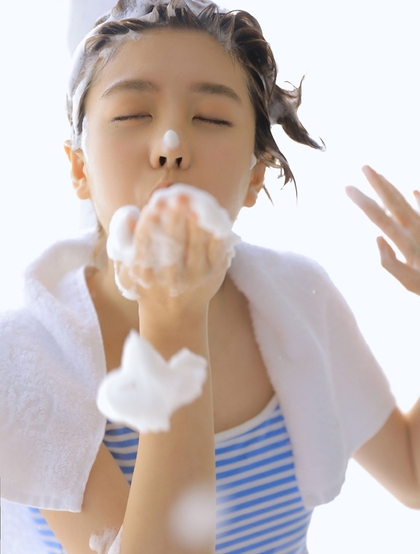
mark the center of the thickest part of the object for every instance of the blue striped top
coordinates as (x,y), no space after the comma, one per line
(259,506)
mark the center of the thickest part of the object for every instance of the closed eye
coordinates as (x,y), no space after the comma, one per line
(210,121)
(130,117)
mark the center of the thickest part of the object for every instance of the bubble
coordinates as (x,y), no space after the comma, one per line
(192,520)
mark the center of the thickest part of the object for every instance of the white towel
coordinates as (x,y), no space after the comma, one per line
(334,395)
(19,534)
(51,364)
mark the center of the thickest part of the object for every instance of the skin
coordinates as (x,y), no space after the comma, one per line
(398,442)
(400,223)
(123,163)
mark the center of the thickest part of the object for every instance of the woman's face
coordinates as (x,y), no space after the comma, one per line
(168,80)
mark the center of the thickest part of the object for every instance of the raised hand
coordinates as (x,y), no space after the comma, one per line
(178,248)
(175,254)
(401,224)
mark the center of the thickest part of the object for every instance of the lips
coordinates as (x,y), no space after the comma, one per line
(161,185)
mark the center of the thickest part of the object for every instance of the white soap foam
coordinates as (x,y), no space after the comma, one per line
(116,545)
(210,215)
(120,244)
(146,390)
(84,136)
(165,250)
(107,543)
(193,516)
(253,161)
(171,140)
(131,293)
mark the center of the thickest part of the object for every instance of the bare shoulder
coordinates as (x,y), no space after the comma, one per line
(103,509)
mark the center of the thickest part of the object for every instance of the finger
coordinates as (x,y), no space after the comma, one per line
(149,218)
(142,270)
(220,254)
(216,251)
(393,200)
(403,238)
(378,216)
(174,228)
(198,239)
(417,197)
(406,275)
(172,246)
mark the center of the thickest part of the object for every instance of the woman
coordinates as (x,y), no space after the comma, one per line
(283,352)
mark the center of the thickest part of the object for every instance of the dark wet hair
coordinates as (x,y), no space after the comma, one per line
(241,36)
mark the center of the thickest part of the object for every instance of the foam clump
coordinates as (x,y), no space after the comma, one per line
(164,250)
(107,543)
(146,390)
(171,140)
(210,215)
(120,243)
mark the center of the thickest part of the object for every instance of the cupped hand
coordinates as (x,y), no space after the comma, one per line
(399,221)
(177,264)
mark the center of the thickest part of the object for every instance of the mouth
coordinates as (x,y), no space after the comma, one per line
(160,185)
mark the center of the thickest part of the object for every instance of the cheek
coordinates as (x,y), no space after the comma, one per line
(108,148)
(109,163)
(229,185)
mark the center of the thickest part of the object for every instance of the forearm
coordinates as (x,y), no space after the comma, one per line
(169,464)
(392,456)
(413,418)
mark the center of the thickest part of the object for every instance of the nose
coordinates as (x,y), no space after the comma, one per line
(170,151)
(163,160)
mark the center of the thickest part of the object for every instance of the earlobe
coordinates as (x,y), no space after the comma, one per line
(78,171)
(256,184)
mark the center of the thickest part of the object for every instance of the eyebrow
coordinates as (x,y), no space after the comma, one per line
(214,88)
(142,85)
(139,85)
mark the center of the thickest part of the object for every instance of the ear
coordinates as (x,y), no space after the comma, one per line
(78,171)
(256,184)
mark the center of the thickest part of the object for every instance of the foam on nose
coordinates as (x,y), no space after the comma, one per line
(170,140)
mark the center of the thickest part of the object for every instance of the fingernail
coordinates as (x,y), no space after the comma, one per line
(367,169)
(352,192)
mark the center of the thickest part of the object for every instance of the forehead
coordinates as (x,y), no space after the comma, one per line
(173,58)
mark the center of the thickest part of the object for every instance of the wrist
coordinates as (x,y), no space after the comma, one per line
(169,332)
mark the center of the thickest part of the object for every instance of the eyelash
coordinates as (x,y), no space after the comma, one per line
(128,117)
(218,122)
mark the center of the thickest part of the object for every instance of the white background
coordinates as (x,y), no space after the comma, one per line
(361,96)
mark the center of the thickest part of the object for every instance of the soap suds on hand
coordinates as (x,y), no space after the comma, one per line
(210,215)
(164,250)
(120,244)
